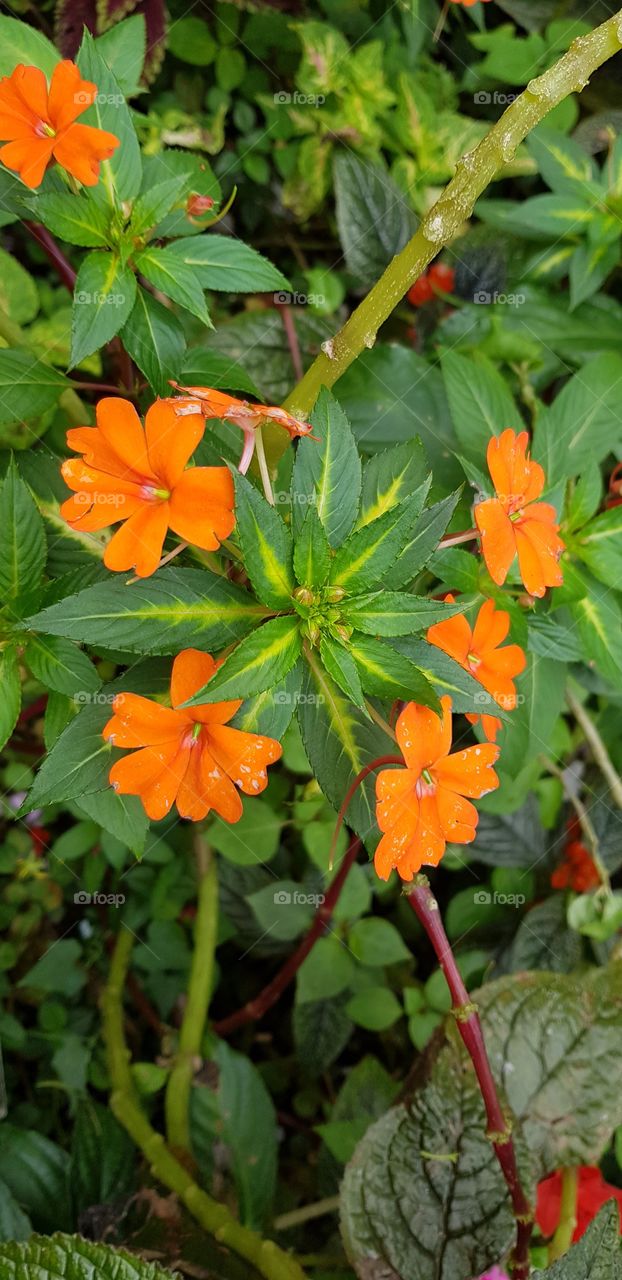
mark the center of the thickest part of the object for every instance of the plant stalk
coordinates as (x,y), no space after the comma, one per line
(499,1132)
(177,1100)
(473,174)
(597,747)
(562,1239)
(271,1262)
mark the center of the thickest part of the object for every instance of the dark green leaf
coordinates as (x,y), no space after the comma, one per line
(154,203)
(312,552)
(389,675)
(227,264)
(61,665)
(103,298)
(327,472)
(394,613)
(447,677)
(14,1224)
(121,175)
(123,816)
(154,338)
(209,369)
(544,941)
(11,686)
(391,477)
(374,217)
(583,423)
(590,266)
(249,1130)
(36,1172)
(510,840)
(480,401)
(166,272)
(103,1157)
(62,1255)
(22,43)
(423,540)
(341,667)
(600,545)
(77,219)
(266,545)
(79,761)
(369,552)
(258,662)
(22,545)
(27,386)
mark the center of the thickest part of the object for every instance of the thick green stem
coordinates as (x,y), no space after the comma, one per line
(473,174)
(270,1261)
(562,1239)
(177,1103)
(69,400)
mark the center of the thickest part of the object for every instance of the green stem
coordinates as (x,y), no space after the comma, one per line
(177,1102)
(271,1262)
(597,746)
(69,400)
(473,174)
(562,1239)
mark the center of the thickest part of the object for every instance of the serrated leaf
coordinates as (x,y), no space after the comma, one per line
(448,677)
(36,1171)
(227,264)
(61,665)
(341,667)
(49,1257)
(27,386)
(583,423)
(312,552)
(123,816)
(121,175)
(209,369)
(391,477)
(600,545)
(79,761)
(395,613)
(597,1256)
(423,540)
(510,839)
(270,712)
(390,675)
(104,295)
(562,161)
(598,617)
(248,1127)
(22,545)
(103,1157)
(11,686)
(14,1223)
(480,401)
(168,273)
(152,205)
(369,552)
(154,338)
(77,219)
(590,266)
(374,217)
(178,609)
(327,472)
(543,939)
(258,662)
(266,545)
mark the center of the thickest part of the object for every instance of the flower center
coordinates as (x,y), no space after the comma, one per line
(45,130)
(425,785)
(151,494)
(473,661)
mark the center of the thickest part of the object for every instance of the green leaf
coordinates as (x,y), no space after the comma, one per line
(19,295)
(260,661)
(270,712)
(510,839)
(209,369)
(154,338)
(11,686)
(325,972)
(597,1256)
(312,552)
(192,41)
(178,609)
(22,545)
(266,545)
(227,264)
(374,218)
(432,1155)
(61,665)
(598,617)
(77,219)
(394,613)
(423,540)
(447,677)
(62,1255)
(121,175)
(585,498)
(249,1130)
(369,552)
(540,696)
(590,266)
(562,162)
(339,741)
(165,271)
(321,1032)
(600,545)
(22,43)
(377,942)
(391,477)
(103,1157)
(78,763)
(341,667)
(154,203)
(122,816)
(583,423)
(14,1224)
(390,675)
(375,1008)
(254,839)
(544,941)
(480,401)
(201,180)
(36,1172)
(123,49)
(327,472)
(27,386)
(103,298)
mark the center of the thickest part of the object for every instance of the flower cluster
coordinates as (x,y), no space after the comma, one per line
(440,278)
(577,869)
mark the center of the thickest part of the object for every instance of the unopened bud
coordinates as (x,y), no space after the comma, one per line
(335,594)
(303,595)
(197,206)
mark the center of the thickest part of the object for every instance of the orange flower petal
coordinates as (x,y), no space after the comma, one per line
(192,801)
(171,440)
(219,790)
(457,816)
(159,796)
(201,506)
(138,543)
(121,430)
(80,150)
(243,756)
(469,772)
(516,478)
(491,627)
(136,773)
(498,538)
(90,442)
(395,846)
(141,722)
(69,94)
(538,557)
(452,635)
(29,157)
(24,96)
(191,670)
(423,736)
(396,797)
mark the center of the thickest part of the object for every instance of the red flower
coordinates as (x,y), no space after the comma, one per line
(577,869)
(420,292)
(39,125)
(593,1193)
(442,276)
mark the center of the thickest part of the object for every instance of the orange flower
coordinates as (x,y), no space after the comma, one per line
(187,756)
(478,652)
(513,522)
(216,404)
(139,476)
(39,126)
(421,807)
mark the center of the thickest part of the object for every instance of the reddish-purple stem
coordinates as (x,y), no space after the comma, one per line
(426,908)
(256,1008)
(52,252)
(292,339)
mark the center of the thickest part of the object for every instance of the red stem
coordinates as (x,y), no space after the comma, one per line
(360,777)
(256,1008)
(52,252)
(426,908)
(292,339)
